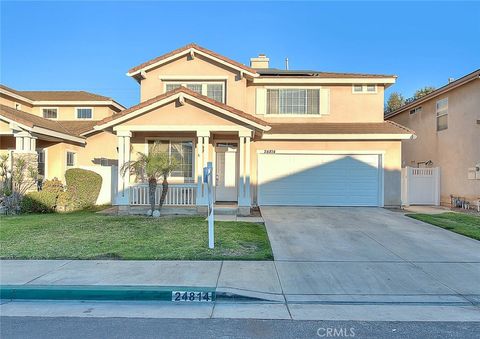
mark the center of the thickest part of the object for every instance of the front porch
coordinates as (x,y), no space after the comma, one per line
(228,150)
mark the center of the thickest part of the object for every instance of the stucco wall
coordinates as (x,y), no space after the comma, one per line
(197,67)
(69,112)
(344,106)
(392,168)
(455,149)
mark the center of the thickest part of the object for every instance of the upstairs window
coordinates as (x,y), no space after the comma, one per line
(442,114)
(50,113)
(370,88)
(416,110)
(293,101)
(84,113)
(213,90)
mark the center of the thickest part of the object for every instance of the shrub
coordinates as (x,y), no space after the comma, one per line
(65,202)
(53,186)
(38,202)
(84,186)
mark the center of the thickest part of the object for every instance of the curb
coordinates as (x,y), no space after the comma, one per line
(69,292)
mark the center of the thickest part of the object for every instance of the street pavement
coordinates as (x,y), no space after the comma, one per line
(73,328)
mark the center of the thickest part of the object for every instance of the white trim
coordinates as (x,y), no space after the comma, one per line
(175,97)
(189,51)
(15,96)
(79,103)
(46,107)
(182,128)
(85,107)
(44,131)
(332,136)
(317,80)
(192,77)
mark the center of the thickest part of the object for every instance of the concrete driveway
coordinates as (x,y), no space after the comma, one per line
(370,254)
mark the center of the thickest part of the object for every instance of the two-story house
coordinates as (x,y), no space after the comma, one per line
(52,126)
(274,137)
(447,123)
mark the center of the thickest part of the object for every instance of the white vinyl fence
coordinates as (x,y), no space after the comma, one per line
(178,194)
(109,183)
(421,186)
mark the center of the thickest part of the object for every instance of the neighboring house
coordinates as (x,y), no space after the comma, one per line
(53,125)
(275,137)
(447,125)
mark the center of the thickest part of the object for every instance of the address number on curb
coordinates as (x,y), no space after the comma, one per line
(192,296)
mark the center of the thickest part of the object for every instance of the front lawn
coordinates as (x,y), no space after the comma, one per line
(86,235)
(465,224)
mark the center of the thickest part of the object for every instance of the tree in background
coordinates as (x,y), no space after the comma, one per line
(423,91)
(395,101)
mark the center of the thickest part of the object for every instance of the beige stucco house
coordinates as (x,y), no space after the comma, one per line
(275,137)
(447,125)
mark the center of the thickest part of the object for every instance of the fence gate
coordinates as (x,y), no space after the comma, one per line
(420,186)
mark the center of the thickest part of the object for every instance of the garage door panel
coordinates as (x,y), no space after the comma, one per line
(318,180)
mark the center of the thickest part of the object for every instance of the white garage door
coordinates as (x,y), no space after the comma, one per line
(319,179)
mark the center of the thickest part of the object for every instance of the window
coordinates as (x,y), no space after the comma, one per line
(49,113)
(181,150)
(171,87)
(364,88)
(213,90)
(84,113)
(41,163)
(71,159)
(293,101)
(357,88)
(442,114)
(416,110)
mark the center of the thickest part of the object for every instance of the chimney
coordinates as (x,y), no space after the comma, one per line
(260,62)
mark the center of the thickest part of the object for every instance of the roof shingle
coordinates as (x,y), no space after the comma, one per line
(386,127)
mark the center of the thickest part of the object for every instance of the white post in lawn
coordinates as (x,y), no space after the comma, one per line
(199,169)
(209,182)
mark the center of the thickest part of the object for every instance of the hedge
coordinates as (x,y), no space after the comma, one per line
(84,186)
(38,202)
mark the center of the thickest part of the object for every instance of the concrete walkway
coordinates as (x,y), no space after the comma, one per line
(337,264)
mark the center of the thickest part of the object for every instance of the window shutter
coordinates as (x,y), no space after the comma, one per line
(325,101)
(260,101)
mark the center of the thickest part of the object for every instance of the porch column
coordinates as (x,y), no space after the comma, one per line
(244,173)
(123,139)
(202,159)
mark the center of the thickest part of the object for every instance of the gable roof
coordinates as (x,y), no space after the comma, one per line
(454,84)
(41,125)
(187,94)
(34,97)
(190,48)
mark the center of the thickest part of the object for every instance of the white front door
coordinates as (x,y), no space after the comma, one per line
(226,172)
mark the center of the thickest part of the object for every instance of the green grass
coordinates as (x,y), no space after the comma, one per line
(465,224)
(86,235)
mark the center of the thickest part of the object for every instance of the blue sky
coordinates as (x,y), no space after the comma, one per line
(90,45)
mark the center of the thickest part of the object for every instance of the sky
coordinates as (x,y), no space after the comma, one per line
(91,45)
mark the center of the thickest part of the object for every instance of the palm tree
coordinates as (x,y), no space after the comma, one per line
(152,167)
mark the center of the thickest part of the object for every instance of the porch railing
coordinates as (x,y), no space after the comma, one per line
(178,195)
